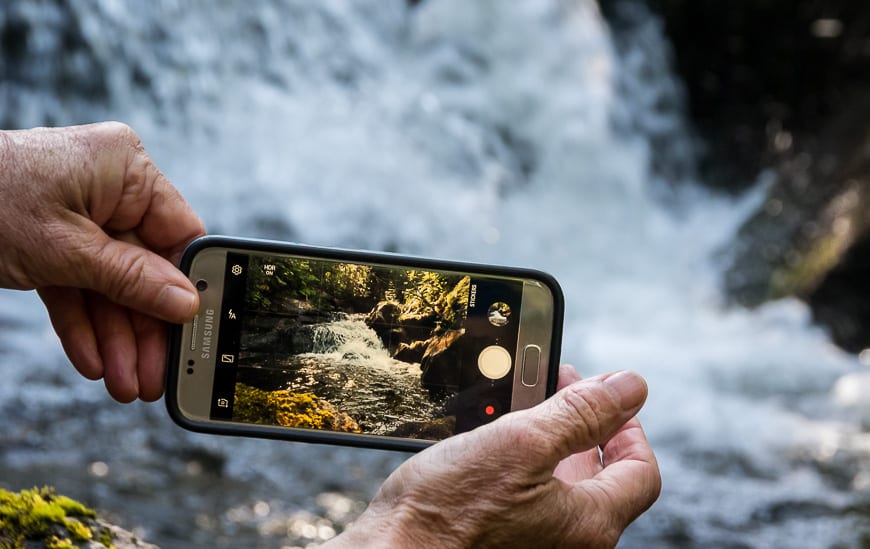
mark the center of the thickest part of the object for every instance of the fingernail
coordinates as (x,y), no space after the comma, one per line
(630,388)
(178,303)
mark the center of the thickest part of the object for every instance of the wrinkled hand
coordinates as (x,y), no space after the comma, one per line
(88,220)
(532,478)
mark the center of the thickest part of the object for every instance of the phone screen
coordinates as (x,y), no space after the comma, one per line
(364,348)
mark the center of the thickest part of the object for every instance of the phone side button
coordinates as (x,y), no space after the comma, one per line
(531,365)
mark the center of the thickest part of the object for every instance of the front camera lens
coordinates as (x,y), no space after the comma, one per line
(201,285)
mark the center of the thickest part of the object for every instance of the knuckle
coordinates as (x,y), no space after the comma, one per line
(5,148)
(519,441)
(583,410)
(123,273)
(114,136)
(121,132)
(104,134)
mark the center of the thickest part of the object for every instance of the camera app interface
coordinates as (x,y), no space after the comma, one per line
(359,348)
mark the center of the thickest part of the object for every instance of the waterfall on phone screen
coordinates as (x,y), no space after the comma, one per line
(348,336)
(349,367)
(467,130)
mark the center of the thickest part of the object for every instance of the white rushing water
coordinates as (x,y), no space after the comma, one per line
(349,336)
(470,130)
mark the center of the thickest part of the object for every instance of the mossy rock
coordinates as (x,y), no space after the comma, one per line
(454,305)
(289,409)
(41,515)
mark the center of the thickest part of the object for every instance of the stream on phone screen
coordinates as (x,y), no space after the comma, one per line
(349,367)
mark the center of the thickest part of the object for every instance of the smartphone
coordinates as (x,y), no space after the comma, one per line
(357,348)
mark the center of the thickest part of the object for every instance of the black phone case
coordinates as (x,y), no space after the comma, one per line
(330,437)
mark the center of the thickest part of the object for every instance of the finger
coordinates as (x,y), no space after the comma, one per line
(579,466)
(585,464)
(151,340)
(169,223)
(69,318)
(147,202)
(627,443)
(630,478)
(579,418)
(125,190)
(117,344)
(136,278)
(567,375)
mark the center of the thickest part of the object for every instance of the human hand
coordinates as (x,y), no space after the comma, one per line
(532,478)
(88,220)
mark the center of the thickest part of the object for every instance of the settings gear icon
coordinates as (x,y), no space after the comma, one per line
(236,270)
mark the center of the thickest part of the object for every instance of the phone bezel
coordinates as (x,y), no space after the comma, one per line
(175,353)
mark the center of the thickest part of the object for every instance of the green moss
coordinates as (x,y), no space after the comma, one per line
(105,538)
(55,542)
(454,305)
(41,514)
(288,409)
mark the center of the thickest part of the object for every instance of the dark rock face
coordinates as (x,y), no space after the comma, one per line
(403,333)
(412,352)
(781,85)
(439,361)
(754,70)
(841,300)
(817,208)
(383,319)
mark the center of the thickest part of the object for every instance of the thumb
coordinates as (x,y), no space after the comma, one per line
(141,280)
(582,416)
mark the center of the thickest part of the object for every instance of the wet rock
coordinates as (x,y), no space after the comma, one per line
(439,361)
(816,209)
(385,312)
(383,320)
(402,328)
(266,335)
(412,352)
(781,511)
(436,429)
(722,462)
(811,236)
(842,301)
(42,518)
(414,320)
(781,87)
(123,539)
(290,331)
